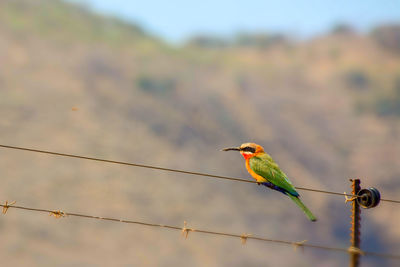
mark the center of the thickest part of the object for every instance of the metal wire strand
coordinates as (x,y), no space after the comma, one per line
(174,170)
(59,214)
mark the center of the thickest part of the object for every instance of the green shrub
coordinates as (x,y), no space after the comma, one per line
(356,79)
(155,85)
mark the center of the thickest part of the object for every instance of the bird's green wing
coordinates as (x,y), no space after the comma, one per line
(265,166)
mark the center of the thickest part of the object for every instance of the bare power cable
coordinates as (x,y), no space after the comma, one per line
(174,170)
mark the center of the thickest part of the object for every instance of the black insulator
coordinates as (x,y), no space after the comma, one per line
(368,198)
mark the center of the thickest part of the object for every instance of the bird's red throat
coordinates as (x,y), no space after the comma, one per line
(247,155)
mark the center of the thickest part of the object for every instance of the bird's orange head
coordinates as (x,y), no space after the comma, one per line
(248,150)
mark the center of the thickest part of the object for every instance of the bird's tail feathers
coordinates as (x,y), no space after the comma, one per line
(309,214)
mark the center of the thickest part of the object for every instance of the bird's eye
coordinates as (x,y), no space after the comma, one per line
(249,149)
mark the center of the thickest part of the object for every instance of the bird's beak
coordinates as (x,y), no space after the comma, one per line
(231,148)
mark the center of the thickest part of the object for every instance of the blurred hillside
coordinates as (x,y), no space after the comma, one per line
(327,109)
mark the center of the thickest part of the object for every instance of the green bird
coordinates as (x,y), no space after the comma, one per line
(266,172)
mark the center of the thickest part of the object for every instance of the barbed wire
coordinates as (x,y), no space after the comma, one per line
(185,231)
(174,170)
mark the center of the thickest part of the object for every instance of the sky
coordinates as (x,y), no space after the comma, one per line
(177,20)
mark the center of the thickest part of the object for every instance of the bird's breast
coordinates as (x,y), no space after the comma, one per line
(258,178)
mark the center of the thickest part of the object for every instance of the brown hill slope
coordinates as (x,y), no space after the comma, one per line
(119,94)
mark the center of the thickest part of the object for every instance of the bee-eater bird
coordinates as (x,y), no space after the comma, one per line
(266,172)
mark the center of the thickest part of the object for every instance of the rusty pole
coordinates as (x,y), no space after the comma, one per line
(355,226)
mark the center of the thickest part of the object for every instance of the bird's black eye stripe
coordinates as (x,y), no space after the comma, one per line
(249,149)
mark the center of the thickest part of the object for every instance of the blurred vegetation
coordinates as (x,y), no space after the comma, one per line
(388,36)
(389,104)
(259,40)
(155,86)
(45,18)
(343,29)
(207,41)
(356,79)
(243,39)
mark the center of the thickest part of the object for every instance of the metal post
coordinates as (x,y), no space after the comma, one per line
(355,226)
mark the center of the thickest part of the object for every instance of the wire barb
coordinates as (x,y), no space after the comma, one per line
(355,250)
(299,244)
(243,238)
(185,230)
(6,206)
(58,214)
(349,199)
